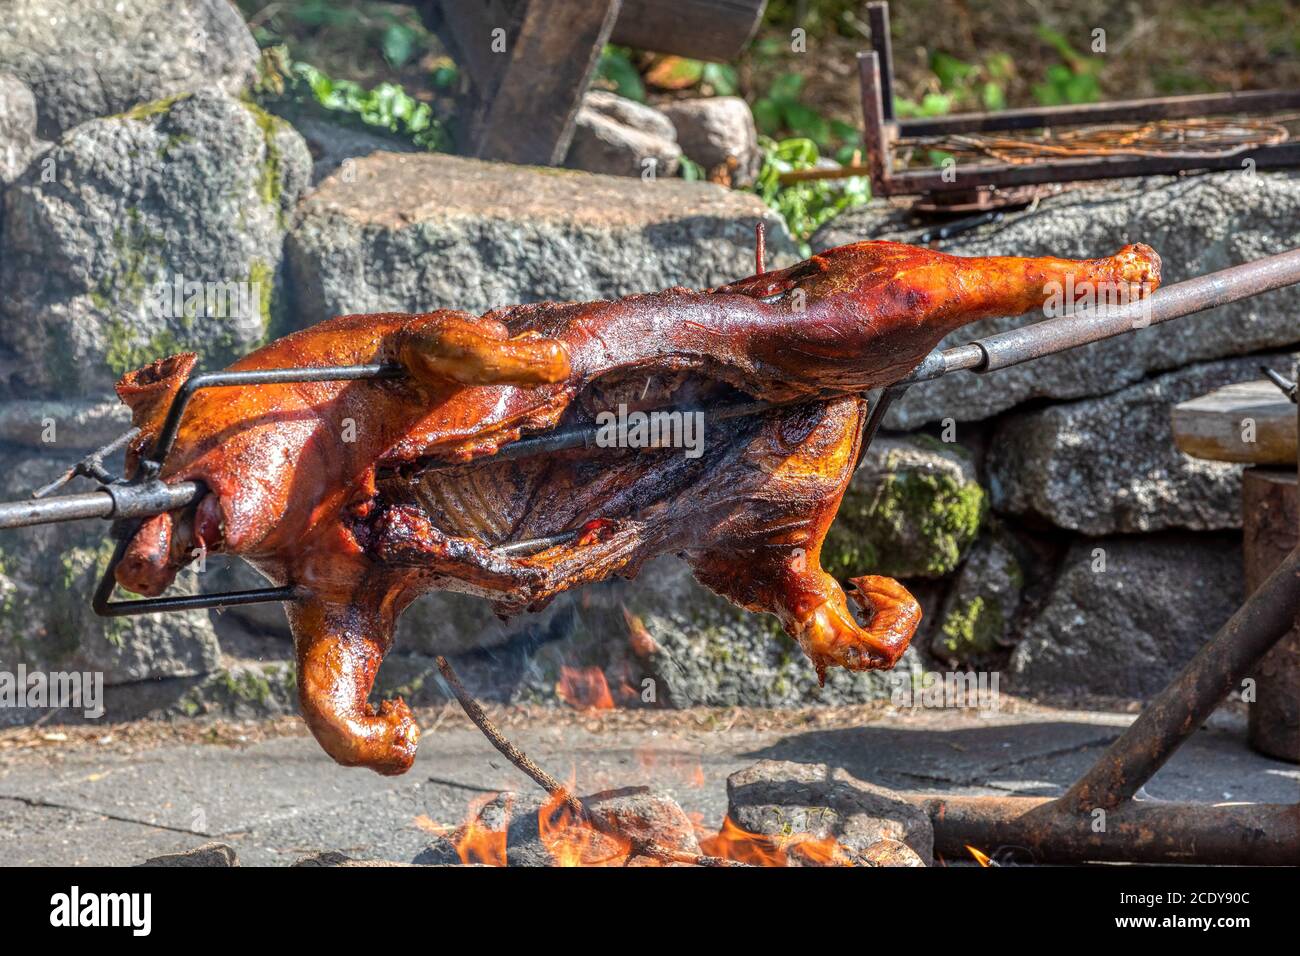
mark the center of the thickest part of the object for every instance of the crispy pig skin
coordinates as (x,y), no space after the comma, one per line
(326,486)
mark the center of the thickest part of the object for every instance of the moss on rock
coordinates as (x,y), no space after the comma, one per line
(914,515)
(973,627)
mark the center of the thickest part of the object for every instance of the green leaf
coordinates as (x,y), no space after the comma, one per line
(721,79)
(807,122)
(616,69)
(992,96)
(786,88)
(936,104)
(398,44)
(767,116)
(952,72)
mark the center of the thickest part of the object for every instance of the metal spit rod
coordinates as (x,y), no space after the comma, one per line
(993,352)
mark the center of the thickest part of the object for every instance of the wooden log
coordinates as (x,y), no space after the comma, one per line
(530,61)
(1252,422)
(1271,520)
(548,64)
(714,30)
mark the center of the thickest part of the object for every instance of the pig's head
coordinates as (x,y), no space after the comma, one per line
(164,543)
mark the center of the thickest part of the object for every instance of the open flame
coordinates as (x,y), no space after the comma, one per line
(476,843)
(981,857)
(733,842)
(573,841)
(584,688)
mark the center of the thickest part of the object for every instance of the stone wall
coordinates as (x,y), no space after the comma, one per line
(158,209)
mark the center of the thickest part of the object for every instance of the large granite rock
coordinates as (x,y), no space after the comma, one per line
(1109,465)
(18,139)
(620,137)
(71,424)
(160,230)
(1126,614)
(1198,224)
(788,801)
(426,231)
(89,58)
(47,577)
(911,510)
(718,133)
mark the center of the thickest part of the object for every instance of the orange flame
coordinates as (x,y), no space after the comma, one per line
(477,843)
(733,842)
(584,688)
(573,841)
(981,858)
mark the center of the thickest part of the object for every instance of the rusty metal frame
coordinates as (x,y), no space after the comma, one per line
(882,131)
(1098,819)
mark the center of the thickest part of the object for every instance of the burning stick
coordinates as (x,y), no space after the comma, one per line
(557,790)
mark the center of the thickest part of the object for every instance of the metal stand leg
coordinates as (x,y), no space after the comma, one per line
(1097,818)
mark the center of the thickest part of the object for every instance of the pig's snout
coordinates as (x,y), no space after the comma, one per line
(166,543)
(146,567)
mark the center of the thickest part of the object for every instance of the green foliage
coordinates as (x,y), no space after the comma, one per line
(781,111)
(962,86)
(719,79)
(617,73)
(804,206)
(1073,81)
(386,105)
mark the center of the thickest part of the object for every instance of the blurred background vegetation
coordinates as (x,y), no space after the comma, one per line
(375,64)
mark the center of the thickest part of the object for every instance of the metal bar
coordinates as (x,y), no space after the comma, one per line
(1288,387)
(970,176)
(104,606)
(92,466)
(270,376)
(1259,834)
(112,501)
(1115,111)
(875,135)
(878,18)
(23,514)
(1179,710)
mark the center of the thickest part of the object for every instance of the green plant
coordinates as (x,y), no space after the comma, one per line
(806,205)
(961,86)
(615,71)
(1073,81)
(386,105)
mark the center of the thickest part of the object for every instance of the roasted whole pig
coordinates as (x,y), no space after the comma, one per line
(366,494)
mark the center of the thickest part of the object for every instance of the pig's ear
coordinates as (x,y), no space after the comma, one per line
(149,391)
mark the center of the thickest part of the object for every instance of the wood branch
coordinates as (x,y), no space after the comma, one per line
(557,790)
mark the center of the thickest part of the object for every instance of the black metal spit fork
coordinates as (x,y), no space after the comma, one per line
(1097,819)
